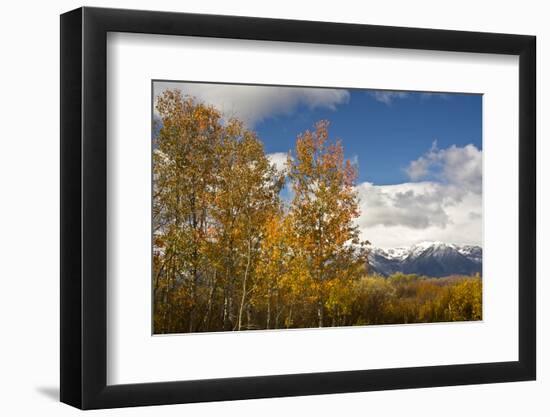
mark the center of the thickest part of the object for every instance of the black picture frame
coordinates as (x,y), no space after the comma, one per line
(84,207)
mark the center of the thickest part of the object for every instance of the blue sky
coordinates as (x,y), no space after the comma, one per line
(383,137)
(419,154)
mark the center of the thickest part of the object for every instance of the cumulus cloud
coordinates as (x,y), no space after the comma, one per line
(414,205)
(405,214)
(387,97)
(418,169)
(459,166)
(446,205)
(252,104)
(278,159)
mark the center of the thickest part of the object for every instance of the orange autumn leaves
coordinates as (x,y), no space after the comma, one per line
(323,211)
(229,253)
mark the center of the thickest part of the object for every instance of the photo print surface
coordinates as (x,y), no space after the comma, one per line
(278,207)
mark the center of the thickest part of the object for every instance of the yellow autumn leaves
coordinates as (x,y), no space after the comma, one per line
(230,254)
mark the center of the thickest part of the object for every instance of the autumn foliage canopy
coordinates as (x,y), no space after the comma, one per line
(230,254)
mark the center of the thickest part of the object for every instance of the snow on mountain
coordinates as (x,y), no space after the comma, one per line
(393,253)
(436,259)
(397,253)
(472,252)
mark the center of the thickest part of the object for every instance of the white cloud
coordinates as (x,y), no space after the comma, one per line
(418,169)
(253,104)
(405,214)
(427,95)
(459,166)
(387,97)
(414,205)
(446,206)
(278,159)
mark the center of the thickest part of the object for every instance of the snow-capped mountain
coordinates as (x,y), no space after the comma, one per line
(472,252)
(435,259)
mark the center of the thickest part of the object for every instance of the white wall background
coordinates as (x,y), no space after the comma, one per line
(29,210)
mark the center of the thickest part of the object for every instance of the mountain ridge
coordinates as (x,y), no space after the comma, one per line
(430,258)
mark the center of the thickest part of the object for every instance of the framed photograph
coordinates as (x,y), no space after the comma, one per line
(257,208)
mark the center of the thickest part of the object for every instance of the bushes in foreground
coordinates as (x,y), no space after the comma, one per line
(370,300)
(229,253)
(411,299)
